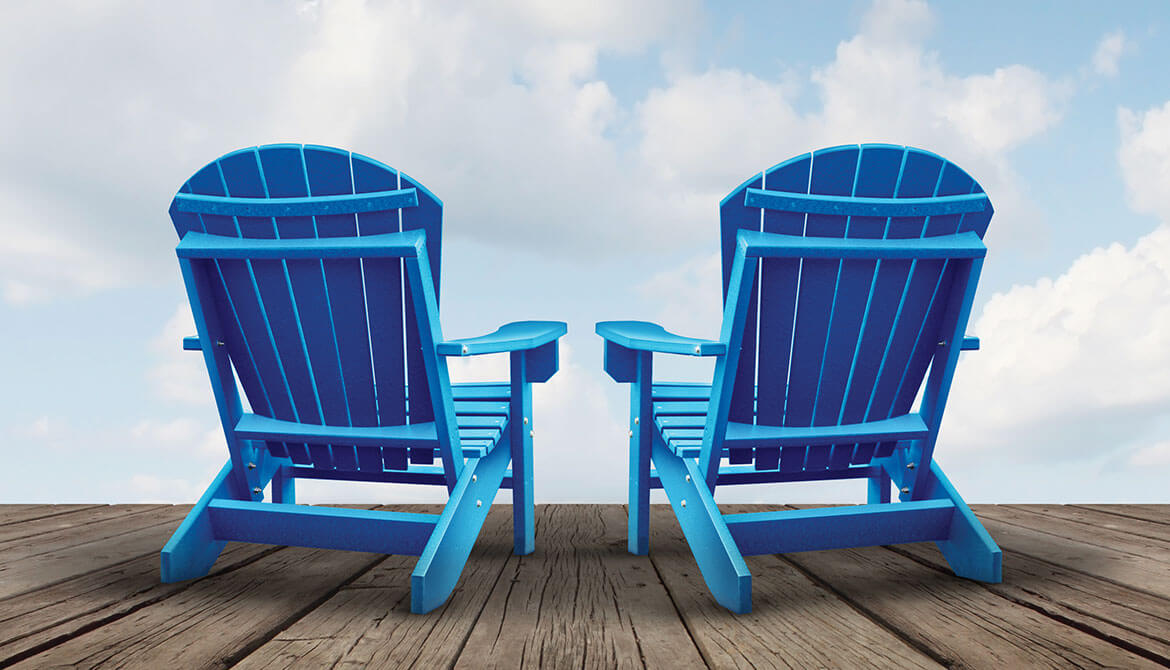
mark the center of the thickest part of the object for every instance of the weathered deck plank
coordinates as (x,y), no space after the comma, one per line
(33,563)
(581,600)
(1077,547)
(1155,513)
(794,623)
(1083,585)
(368,623)
(10,514)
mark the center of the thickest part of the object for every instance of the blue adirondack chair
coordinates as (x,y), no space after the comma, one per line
(313,277)
(847,274)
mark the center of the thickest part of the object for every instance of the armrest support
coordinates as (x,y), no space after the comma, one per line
(191,343)
(516,336)
(969,344)
(646,336)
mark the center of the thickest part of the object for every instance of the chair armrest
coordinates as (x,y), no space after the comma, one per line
(516,336)
(969,344)
(646,336)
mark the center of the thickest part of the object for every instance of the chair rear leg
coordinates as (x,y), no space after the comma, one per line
(284,486)
(193,549)
(969,550)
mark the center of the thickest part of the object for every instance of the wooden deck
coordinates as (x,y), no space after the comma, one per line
(1084,586)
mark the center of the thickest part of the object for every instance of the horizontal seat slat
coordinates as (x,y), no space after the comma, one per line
(905,427)
(255,427)
(325,205)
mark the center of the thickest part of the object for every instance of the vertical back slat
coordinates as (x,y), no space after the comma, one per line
(877,176)
(234,277)
(283,169)
(778,283)
(833,173)
(328,172)
(952,182)
(917,178)
(243,178)
(384,302)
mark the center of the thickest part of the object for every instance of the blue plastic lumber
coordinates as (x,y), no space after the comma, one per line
(520,433)
(779,279)
(192,344)
(735,310)
(446,552)
(646,336)
(303,206)
(970,344)
(389,245)
(516,336)
(738,474)
(775,245)
(720,561)
(860,206)
(255,427)
(284,486)
(242,481)
(968,548)
(641,439)
(321,527)
(838,527)
(193,547)
(440,408)
(906,427)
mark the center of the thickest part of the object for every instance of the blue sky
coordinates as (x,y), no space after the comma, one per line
(581,149)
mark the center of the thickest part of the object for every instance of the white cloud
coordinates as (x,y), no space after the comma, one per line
(1108,53)
(1155,455)
(178,374)
(1145,158)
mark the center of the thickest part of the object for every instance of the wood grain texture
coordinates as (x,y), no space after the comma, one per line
(1155,513)
(32,563)
(1098,520)
(368,622)
(216,620)
(961,622)
(65,524)
(1134,620)
(581,600)
(1137,563)
(10,514)
(794,623)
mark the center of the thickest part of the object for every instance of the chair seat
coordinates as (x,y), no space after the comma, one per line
(481,415)
(680,416)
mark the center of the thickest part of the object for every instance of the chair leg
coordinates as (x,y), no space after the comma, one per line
(879,489)
(192,549)
(520,433)
(719,559)
(284,487)
(641,434)
(445,554)
(969,550)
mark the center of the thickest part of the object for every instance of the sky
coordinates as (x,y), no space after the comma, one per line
(581,149)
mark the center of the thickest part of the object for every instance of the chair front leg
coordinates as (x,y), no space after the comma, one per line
(641,427)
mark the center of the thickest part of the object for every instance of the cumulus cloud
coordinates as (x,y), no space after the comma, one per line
(1108,53)
(1144,155)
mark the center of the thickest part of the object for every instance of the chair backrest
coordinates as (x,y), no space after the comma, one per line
(831,342)
(328,342)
